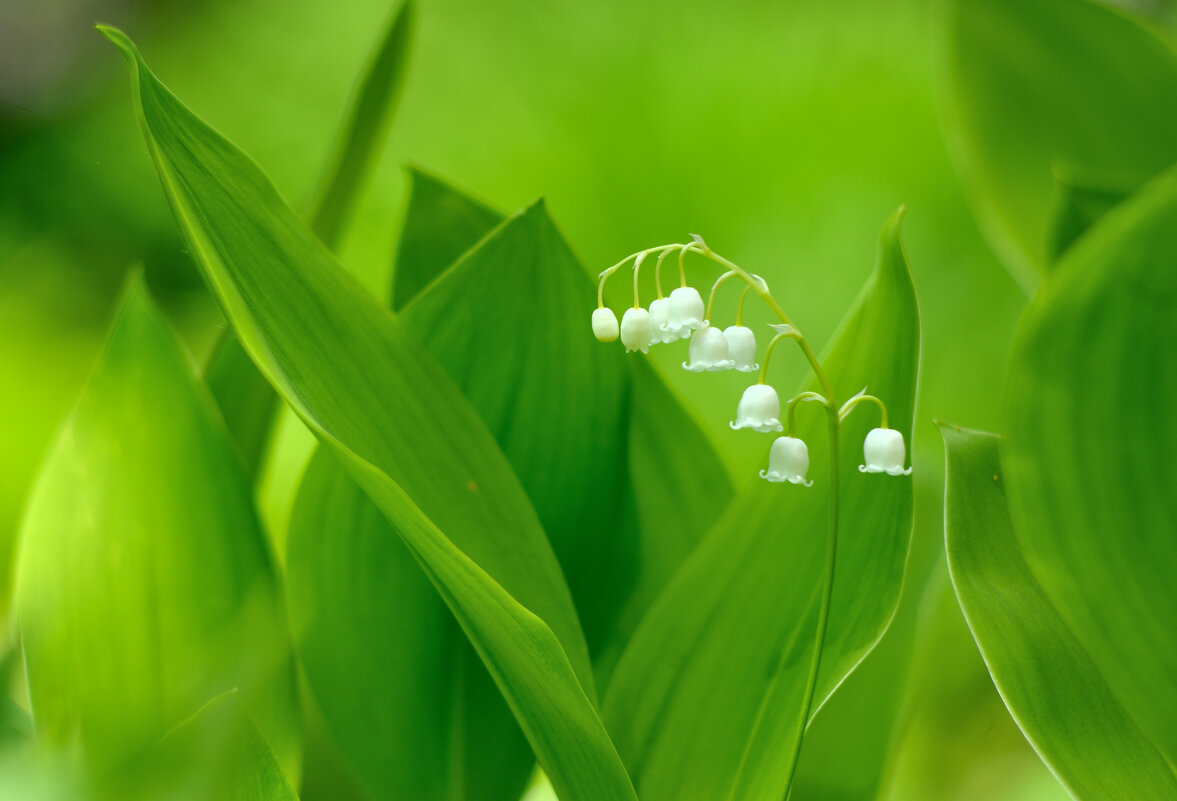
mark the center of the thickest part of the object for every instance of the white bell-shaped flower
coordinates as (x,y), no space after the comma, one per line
(759,409)
(685,312)
(636,330)
(605,325)
(788,461)
(884,452)
(659,311)
(708,351)
(741,348)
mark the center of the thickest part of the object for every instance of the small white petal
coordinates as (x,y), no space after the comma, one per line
(685,310)
(884,452)
(741,347)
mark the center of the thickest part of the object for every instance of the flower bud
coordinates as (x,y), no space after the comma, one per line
(708,351)
(788,461)
(741,348)
(605,325)
(685,312)
(884,452)
(636,330)
(759,409)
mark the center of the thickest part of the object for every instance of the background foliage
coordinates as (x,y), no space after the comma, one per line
(783,132)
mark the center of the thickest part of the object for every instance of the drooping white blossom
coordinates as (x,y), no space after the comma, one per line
(605,325)
(708,351)
(685,311)
(636,331)
(741,348)
(759,409)
(788,460)
(659,311)
(884,452)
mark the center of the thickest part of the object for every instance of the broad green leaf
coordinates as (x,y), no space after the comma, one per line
(404,432)
(440,225)
(1027,85)
(404,696)
(1091,385)
(1049,682)
(218,753)
(508,323)
(521,279)
(144,587)
(706,701)
(366,129)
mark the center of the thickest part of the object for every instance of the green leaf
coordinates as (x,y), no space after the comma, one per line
(706,701)
(218,753)
(366,129)
(1081,198)
(404,432)
(143,586)
(527,389)
(245,398)
(405,697)
(440,225)
(1091,385)
(1050,683)
(1029,85)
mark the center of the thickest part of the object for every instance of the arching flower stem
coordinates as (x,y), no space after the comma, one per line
(862,397)
(791,408)
(714,287)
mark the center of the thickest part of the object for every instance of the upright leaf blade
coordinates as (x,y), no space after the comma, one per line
(368,121)
(1091,382)
(1028,85)
(1049,682)
(706,701)
(440,225)
(405,434)
(144,587)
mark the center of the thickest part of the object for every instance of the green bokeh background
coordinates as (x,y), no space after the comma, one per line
(785,133)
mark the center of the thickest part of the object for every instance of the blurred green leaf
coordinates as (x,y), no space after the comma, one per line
(1049,682)
(143,586)
(440,225)
(705,702)
(1081,198)
(1091,386)
(403,431)
(1026,86)
(366,129)
(218,754)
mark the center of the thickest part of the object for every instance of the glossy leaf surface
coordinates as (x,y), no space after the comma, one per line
(1029,85)
(1049,682)
(403,431)
(706,701)
(1091,384)
(144,587)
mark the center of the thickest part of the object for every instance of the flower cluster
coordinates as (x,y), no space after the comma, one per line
(683,315)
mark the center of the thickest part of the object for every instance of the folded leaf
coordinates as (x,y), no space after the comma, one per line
(1091,383)
(144,586)
(706,701)
(1030,85)
(1081,198)
(405,434)
(1049,682)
